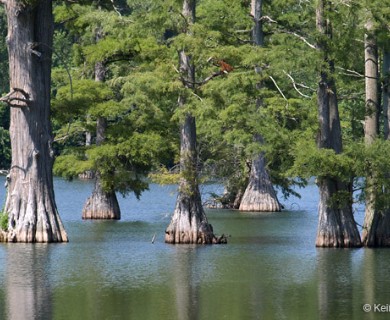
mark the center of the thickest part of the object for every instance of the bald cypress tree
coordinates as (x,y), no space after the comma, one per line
(336,225)
(259,195)
(30,204)
(189,222)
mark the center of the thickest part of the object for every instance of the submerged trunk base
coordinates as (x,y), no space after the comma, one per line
(334,239)
(189,223)
(260,195)
(258,201)
(336,225)
(30,235)
(101,205)
(204,235)
(378,235)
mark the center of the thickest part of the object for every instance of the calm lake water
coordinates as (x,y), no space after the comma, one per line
(270,269)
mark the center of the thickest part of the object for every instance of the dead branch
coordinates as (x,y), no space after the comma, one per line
(267,18)
(301,38)
(277,87)
(197,96)
(295,86)
(204,81)
(62,138)
(116,9)
(351,73)
(9,98)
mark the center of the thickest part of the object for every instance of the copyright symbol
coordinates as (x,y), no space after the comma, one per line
(367,308)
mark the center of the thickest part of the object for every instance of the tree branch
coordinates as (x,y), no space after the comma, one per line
(9,98)
(116,9)
(267,18)
(300,37)
(295,86)
(214,75)
(351,73)
(277,87)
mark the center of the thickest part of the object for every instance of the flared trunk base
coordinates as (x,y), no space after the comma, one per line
(101,205)
(260,202)
(260,195)
(336,225)
(189,223)
(378,235)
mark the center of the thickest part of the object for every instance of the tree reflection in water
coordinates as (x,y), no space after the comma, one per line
(28,292)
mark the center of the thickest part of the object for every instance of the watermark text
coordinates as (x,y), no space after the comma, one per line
(376,307)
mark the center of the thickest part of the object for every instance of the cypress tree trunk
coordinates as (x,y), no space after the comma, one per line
(257,13)
(30,204)
(336,225)
(376,227)
(102,204)
(259,194)
(189,223)
(381,222)
(386,91)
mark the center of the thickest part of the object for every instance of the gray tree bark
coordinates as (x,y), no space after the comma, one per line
(336,225)
(257,14)
(30,204)
(376,226)
(386,91)
(260,194)
(189,222)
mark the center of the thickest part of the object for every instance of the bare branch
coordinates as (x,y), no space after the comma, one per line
(295,86)
(277,87)
(24,93)
(301,38)
(267,18)
(214,75)
(197,96)
(62,138)
(305,87)
(351,73)
(201,83)
(9,98)
(243,31)
(117,10)
(16,99)
(174,67)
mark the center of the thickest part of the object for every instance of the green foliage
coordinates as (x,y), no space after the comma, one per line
(310,161)
(3,221)
(164,176)
(71,165)
(5,154)
(5,145)
(271,91)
